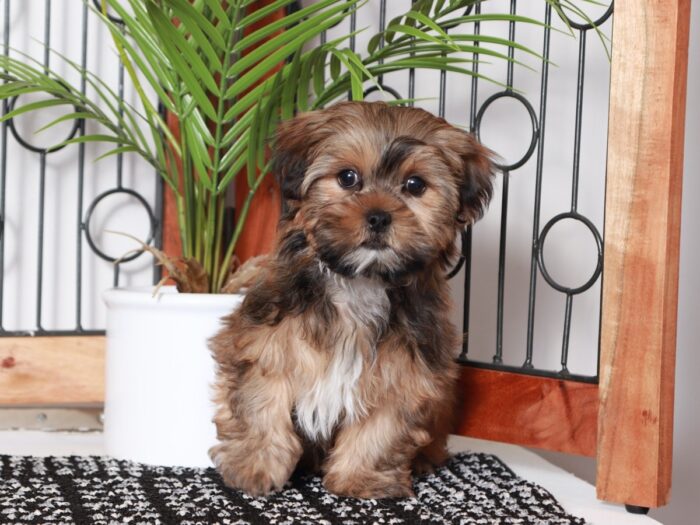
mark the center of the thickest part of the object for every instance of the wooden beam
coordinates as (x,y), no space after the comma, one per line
(172,242)
(51,371)
(258,236)
(527,410)
(642,226)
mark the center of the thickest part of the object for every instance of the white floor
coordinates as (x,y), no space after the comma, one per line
(575,495)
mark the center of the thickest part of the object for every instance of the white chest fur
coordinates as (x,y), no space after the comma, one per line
(363,311)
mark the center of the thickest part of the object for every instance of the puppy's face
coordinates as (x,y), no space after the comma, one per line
(380,191)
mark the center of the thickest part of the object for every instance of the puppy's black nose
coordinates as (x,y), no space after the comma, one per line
(378,220)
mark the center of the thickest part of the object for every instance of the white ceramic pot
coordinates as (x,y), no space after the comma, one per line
(159,372)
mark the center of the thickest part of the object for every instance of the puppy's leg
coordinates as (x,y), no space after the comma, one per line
(435,453)
(432,455)
(372,457)
(259,448)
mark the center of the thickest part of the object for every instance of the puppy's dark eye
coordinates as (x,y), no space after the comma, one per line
(415,186)
(348,179)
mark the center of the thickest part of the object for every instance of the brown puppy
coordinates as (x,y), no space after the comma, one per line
(342,351)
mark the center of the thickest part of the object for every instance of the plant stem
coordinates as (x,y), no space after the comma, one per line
(218,241)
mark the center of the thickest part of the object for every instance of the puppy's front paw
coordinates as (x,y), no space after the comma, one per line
(427,461)
(253,474)
(375,485)
(422,465)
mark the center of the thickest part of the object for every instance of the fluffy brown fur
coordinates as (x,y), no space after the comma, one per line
(342,353)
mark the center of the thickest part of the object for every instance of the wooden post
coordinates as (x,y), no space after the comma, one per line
(642,230)
(261,224)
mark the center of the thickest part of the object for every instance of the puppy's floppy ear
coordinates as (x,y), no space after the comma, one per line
(292,153)
(476,186)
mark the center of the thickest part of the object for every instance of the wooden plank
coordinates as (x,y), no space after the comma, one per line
(642,225)
(172,243)
(527,410)
(258,236)
(261,224)
(51,371)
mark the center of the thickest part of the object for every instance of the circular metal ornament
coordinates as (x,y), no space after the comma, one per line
(32,147)
(594,23)
(91,210)
(387,89)
(540,253)
(533,120)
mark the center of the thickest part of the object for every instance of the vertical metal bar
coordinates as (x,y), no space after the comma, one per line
(42,186)
(498,356)
(511,50)
(475,78)
(3,169)
(442,92)
(40,240)
(579,113)
(382,26)
(443,89)
(567,331)
(47,33)
(382,20)
(120,157)
(324,33)
(81,189)
(467,250)
(538,187)
(353,28)
(120,92)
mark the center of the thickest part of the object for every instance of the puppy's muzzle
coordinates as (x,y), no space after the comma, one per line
(378,221)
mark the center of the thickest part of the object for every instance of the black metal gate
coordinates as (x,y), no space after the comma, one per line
(517,310)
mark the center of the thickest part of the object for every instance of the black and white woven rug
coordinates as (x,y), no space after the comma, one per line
(471,488)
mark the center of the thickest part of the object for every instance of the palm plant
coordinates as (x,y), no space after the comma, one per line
(228,83)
